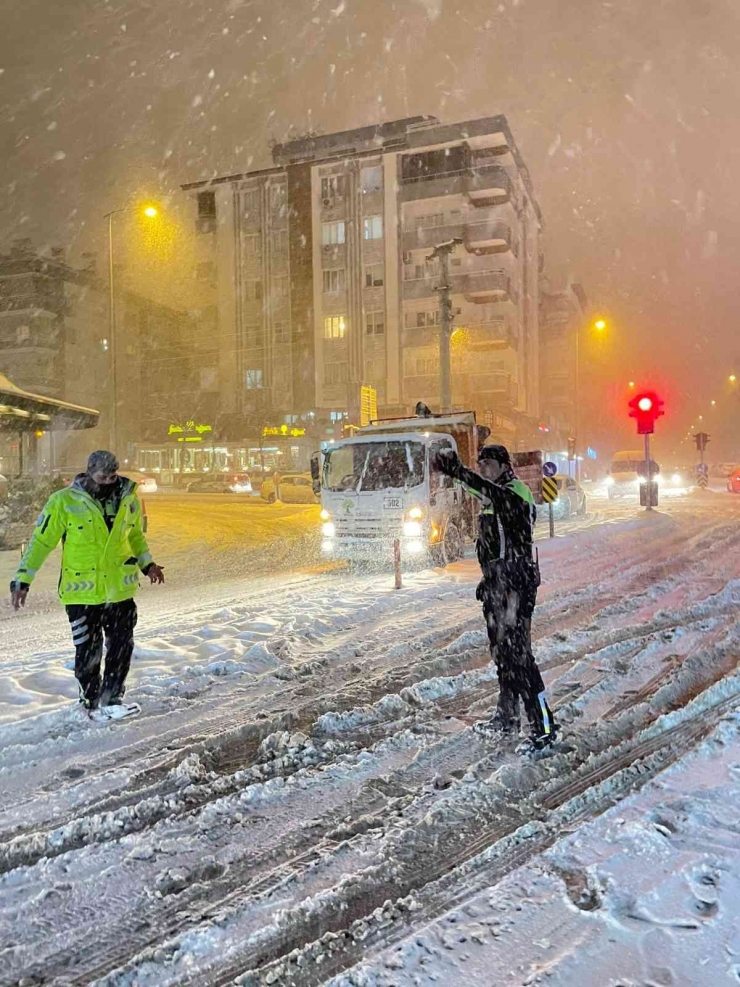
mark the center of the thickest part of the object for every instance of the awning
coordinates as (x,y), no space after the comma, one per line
(21,411)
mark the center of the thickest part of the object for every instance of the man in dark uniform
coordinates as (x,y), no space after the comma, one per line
(508,590)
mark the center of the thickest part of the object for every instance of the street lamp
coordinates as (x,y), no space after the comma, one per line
(150,212)
(442,252)
(600,325)
(733,378)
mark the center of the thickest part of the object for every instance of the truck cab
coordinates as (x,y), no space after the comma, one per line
(382,485)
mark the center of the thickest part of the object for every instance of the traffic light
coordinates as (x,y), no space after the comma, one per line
(702,441)
(646,407)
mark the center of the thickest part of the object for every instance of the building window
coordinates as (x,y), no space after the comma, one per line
(335,281)
(419,320)
(375,323)
(23,333)
(335,327)
(374,275)
(372,180)
(332,233)
(251,245)
(206,205)
(373,228)
(338,416)
(333,187)
(254,380)
(427,222)
(280,289)
(278,195)
(253,290)
(425,367)
(335,373)
(280,243)
(251,204)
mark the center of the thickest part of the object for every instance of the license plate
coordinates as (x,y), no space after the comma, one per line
(393,503)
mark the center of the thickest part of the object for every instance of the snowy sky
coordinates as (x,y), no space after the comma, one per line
(625,111)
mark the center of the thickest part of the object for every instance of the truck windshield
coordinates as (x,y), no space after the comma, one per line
(374,466)
(632,466)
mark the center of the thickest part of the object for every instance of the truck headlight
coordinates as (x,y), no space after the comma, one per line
(412,529)
(327,546)
(609,481)
(328,529)
(415,514)
(415,546)
(325,515)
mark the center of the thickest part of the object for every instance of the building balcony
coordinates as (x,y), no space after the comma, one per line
(487,286)
(479,287)
(428,238)
(500,389)
(489,238)
(434,186)
(489,186)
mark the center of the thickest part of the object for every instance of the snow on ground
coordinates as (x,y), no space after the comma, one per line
(303,801)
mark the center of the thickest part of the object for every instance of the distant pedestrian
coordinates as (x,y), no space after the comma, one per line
(508,590)
(98,519)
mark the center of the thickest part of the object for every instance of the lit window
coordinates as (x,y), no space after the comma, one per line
(372,180)
(334,281)
(254,380)
(374,276)
(375,323)
(337,416)
(373,228)
(332,233)
(335,327)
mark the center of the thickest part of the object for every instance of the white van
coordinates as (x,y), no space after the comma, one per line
(627,471)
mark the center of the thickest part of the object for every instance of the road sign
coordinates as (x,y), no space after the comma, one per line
(549,490)
(703,481)
(550,469)
(702,469)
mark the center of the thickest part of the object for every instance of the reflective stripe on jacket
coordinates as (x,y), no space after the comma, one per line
(98,566)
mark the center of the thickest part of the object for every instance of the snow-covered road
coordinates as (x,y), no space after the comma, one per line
(303,798)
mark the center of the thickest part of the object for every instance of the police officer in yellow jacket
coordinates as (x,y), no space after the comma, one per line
(98,519)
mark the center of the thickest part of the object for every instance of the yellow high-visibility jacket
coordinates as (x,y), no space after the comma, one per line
(98,566)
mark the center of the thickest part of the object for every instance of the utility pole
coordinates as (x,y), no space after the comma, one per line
(442,252)
(113,427)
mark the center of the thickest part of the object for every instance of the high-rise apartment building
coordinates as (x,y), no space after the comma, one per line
(321,278)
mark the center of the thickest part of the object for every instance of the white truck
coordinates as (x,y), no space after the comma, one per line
(381,485)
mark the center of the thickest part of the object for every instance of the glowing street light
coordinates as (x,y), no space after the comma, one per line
(600,325)
(733,378)
(714,403)
(151,211)
(631,385)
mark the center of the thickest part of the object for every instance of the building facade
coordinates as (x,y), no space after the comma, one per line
(562,317)
(54,340)
(320,278)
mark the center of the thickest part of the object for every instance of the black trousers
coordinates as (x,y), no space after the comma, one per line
(508,592)
(89,624)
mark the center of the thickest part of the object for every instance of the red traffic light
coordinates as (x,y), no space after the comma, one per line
(646,407)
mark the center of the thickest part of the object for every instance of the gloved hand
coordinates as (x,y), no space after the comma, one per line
(448,462)
(480,591)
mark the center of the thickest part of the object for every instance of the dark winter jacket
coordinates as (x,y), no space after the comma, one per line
(507,515)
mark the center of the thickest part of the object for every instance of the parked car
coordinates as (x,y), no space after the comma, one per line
(147,483)
(571,498)
(292,488)
(238,483)
(733,481)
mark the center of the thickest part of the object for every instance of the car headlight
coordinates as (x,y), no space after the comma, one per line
(415,514)
(325,515)
(412,529)
(609,481)
(328,530)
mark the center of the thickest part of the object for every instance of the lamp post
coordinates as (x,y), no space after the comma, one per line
(442,252)
(600,325)
(150,212)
